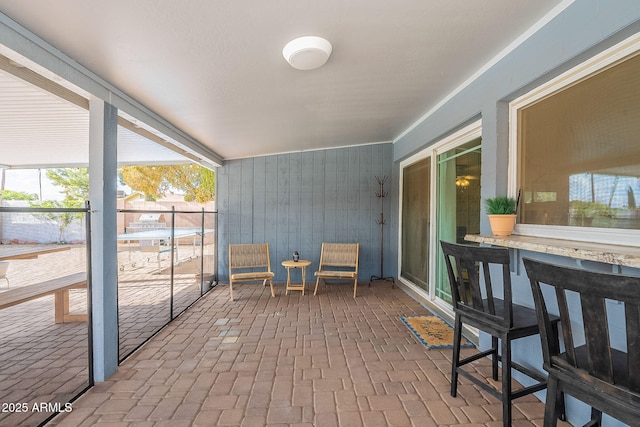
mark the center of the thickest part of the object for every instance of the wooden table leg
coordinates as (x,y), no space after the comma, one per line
(61,305)
(291,266)
(61,308)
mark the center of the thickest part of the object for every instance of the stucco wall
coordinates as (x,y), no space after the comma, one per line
(29,228)
(296,201)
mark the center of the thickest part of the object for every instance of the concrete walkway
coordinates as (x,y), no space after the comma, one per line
(293,360)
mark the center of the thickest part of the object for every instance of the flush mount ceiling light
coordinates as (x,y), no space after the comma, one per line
(307,53)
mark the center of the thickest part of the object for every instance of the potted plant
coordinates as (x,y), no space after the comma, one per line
(501,211)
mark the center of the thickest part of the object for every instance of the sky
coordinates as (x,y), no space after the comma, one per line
(26,180)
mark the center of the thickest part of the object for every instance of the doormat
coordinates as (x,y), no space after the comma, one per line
(432,331)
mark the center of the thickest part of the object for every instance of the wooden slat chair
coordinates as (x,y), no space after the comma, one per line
(338,261)
(606,378)
(473,273)
(253,257)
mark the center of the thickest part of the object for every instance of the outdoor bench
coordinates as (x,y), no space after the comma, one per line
(59,287)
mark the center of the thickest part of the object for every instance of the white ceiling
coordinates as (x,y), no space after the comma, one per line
(215,69)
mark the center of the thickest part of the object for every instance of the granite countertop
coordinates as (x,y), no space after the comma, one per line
(601,252)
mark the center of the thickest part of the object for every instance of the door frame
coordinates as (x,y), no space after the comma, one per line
(462,136)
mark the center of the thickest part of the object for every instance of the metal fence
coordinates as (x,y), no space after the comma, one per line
(167,261)
(164,266)
(45,321)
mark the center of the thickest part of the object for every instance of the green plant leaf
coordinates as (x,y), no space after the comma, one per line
(500,205)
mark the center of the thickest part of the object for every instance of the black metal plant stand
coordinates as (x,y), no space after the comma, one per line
(381,194)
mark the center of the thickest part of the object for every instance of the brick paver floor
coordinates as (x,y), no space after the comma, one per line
(42,362)
(293,360)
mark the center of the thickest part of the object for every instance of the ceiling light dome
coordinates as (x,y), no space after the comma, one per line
(307,53)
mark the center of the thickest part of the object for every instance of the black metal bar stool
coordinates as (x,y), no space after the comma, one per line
(475,304)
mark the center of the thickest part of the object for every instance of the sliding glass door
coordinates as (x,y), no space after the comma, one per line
(416,221)
(458,203)
(440,200)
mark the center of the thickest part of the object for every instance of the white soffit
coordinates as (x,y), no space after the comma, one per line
(39,129)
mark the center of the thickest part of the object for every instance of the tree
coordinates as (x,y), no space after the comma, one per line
(197,182)
(17,195)
(74,181)
(63,218)
(147,179)
(205,190)
(75,187)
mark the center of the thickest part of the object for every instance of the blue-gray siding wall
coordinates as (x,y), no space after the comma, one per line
(297,201)
(583,29)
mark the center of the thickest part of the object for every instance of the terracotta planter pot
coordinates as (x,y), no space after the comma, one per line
(502,225)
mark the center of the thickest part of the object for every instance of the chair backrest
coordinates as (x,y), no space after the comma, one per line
(589,352)
(339,255)
(252,255)
(470,294)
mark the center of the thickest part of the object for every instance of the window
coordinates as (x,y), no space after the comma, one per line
(578,150)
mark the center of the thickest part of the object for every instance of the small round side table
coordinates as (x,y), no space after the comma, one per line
(302,264)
